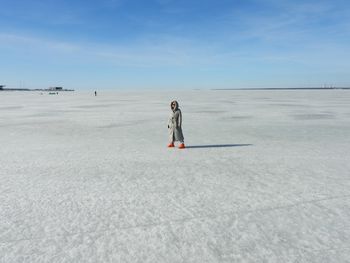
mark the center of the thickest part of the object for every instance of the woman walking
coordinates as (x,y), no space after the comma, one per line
(175,126)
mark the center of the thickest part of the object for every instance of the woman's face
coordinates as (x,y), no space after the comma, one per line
(173,105)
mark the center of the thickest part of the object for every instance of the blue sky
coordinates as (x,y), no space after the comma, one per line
(127,44)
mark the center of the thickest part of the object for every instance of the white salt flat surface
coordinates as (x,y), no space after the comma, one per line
(266,177)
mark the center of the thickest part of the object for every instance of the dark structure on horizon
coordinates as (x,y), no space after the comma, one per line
(2,88)
(56,88)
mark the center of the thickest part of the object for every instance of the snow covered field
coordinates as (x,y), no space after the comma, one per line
(265,177)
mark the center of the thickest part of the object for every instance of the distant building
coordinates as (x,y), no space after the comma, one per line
(56,88)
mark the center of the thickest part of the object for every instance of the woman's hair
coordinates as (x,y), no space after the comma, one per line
(175,103)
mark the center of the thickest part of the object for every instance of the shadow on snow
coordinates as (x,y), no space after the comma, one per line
(216,146)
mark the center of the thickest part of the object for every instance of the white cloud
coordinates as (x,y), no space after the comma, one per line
(22,41)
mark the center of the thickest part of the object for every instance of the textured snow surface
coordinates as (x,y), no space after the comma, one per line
(265,177)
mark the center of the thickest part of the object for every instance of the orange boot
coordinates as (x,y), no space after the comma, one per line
(182,146)
(170,145)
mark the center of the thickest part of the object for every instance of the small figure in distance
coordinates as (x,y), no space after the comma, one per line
(175,126)
(95,93)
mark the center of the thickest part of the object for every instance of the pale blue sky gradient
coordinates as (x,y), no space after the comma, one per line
(121,44)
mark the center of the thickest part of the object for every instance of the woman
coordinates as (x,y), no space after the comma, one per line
(174,126)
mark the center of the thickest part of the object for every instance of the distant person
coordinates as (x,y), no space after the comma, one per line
(95,93)
(175,126)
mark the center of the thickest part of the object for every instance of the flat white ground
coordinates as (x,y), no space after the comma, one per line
(265,177)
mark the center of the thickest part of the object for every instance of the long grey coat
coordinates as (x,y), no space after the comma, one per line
(175,125)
